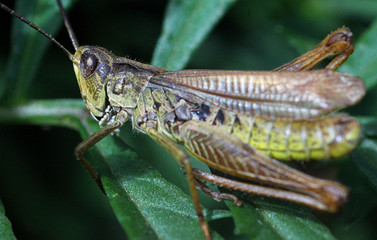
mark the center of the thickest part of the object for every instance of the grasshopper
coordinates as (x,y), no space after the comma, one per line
(237,122)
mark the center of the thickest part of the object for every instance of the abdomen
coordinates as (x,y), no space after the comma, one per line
(331,137)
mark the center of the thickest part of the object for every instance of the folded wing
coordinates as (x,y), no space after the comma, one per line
(278,95)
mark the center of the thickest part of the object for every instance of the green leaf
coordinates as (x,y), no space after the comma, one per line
(263,219)
(362,198)
(364,8)
(142,198)
(185,26)
(29,46)
(366,159)
(61,112)
(6,232)
(369,126)
(363,61)
(147,206)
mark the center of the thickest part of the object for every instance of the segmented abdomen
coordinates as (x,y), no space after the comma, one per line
(331,137)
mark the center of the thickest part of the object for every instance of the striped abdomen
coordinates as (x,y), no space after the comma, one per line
(331,137)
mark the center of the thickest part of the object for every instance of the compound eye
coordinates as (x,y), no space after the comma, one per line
(88,64)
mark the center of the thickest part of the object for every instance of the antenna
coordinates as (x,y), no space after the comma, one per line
(72,35)
(32,25)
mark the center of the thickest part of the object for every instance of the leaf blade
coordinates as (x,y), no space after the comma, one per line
(365,158)
(6,231)
(264,219)
(147,205)
(185,26)
(363,61)
(163,207)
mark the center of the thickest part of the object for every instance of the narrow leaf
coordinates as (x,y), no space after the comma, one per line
(60,112)
(139,194)
(6,232)
(147,206)
(369,126)
(364,8)
(264,219)
(366,159)
(186,25)
(363,61)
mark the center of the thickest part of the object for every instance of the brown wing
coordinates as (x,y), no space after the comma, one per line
(280,95)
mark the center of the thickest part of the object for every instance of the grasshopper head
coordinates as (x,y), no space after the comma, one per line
(92,66)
